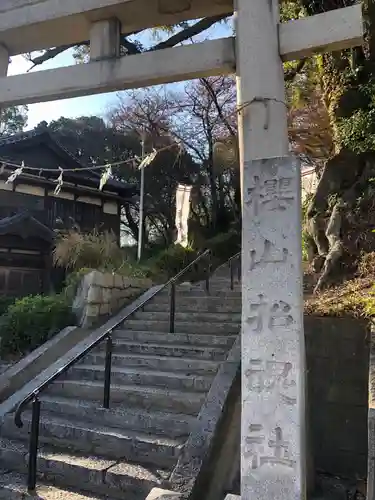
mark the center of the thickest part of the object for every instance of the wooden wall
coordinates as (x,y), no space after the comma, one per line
(88,211)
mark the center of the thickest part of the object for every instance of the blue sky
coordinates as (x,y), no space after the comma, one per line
(80,106)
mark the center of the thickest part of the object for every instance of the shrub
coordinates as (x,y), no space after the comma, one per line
(5,302)
(75,250)
(172,260)
(224,245)
(31,321)
(305,255)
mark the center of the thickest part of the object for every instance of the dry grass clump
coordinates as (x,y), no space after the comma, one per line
(75,250)
(354,297)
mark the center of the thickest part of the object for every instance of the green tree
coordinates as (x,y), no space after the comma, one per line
(13,120)
(91,140)
(341,214)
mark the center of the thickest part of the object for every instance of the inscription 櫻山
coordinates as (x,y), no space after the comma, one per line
(275,194)
(261,450)
(270,255)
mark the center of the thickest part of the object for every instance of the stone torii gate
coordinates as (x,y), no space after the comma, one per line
(273,452)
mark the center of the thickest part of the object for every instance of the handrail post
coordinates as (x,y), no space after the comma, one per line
(172,307)
(33,444)
(231,275)
(239,270)
(108,371)
(209,273)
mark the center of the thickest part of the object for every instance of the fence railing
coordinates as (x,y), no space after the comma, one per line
(34,396)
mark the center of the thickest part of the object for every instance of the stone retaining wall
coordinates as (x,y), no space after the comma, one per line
(102,294)
(337,352)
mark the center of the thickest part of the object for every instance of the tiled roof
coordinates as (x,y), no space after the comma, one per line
(88,175)
(25,225)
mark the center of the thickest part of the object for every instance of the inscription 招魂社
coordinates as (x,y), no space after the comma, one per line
(262,450)
(266,376)
(268,315)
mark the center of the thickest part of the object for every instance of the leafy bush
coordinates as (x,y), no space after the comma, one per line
(31,321)
(75,250)
(5,302)
(172,260)
(305,256)
(224,245)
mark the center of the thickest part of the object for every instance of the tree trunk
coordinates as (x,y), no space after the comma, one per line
(347,84)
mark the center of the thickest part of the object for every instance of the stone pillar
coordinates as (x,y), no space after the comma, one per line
(4,61)
(4,64)
(105,39)
(371,420)
(273,362)
(263,129)
(273,367)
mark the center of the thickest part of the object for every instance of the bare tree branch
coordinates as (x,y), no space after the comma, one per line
(132,48)
(195,29)
(219,108)
(48,54)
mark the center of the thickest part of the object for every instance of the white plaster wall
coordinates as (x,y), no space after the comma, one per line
(309,184)
(5,186)
(63,195)
(29,189)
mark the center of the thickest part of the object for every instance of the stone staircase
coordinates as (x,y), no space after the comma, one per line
(159,383)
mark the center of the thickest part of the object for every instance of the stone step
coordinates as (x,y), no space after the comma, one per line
(224,273)
(182,326)
(164,363)
(166,338)
(198,292)
(175,350)
(204,304)
(172,425)
(13,487)
(149,398)
(201,317)
(136,376)
(94,474)
(86,437)
(219,284)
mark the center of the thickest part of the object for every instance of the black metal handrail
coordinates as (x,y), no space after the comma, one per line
(231,262)
(33,397)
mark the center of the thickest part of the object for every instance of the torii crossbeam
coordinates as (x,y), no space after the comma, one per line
(298,39)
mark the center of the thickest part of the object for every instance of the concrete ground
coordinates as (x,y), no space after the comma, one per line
(330,487)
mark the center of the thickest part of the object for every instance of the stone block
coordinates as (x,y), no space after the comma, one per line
(107,294)
(159,494)
(92,310)
(128,282)
(96,278)
(107,280)
(144,283)
(118,281)
(118,304)
(115,294)
(105,309)
(94,295)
